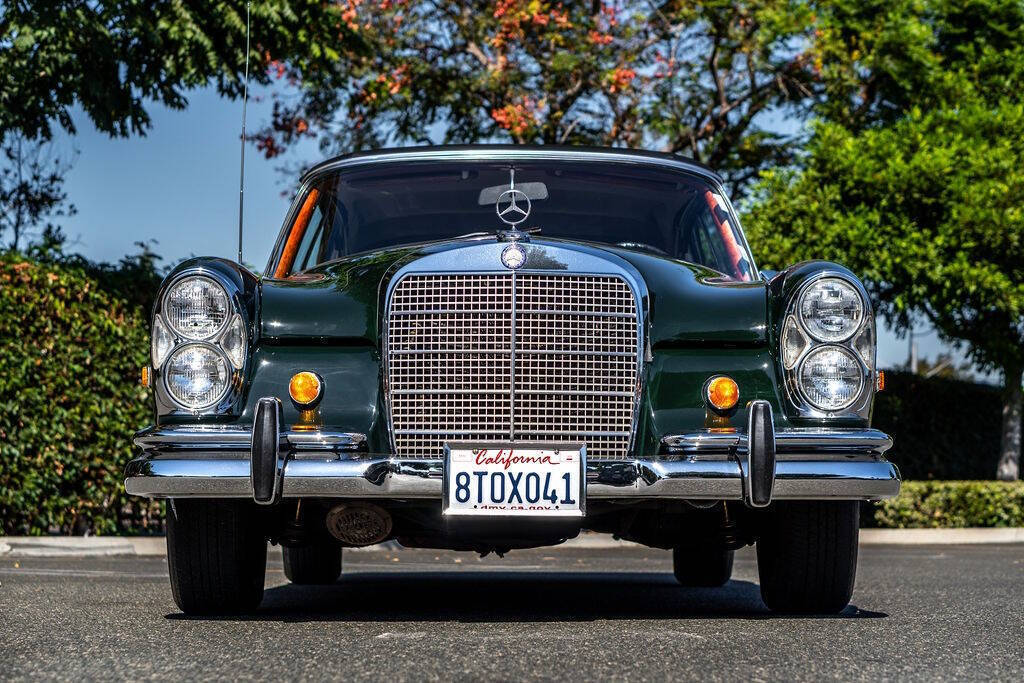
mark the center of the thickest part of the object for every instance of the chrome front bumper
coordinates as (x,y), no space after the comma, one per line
(811,464)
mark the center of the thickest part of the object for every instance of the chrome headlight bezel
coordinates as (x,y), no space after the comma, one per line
(796,343)
(233,332)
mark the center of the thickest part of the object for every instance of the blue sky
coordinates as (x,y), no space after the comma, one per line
(179,186)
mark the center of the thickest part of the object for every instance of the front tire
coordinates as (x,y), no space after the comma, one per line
(216,556)
(314,564)
(807,556)
(707,568)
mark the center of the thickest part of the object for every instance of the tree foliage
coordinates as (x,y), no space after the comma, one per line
(914,176)
(31,189)
(113,58)
(879,59)
(929,211)
(707,79)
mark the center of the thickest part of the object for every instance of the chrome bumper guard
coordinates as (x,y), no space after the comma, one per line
(806,464)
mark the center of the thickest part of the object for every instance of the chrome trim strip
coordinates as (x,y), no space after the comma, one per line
(215,438)
(525,392)
(512,369)
(532,311)
(809,440)
(560,352)
(552,432)
(382,477)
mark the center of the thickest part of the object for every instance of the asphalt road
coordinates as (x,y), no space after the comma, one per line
(940,612)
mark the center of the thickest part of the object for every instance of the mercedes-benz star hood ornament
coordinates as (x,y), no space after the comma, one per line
(513,206)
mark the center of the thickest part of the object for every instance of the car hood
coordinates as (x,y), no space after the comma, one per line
(686,304)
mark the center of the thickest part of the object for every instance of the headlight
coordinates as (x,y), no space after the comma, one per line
(831,310)
(196,308)
(196,375)
(831,378)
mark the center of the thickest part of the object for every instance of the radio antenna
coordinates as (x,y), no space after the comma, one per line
(241,171)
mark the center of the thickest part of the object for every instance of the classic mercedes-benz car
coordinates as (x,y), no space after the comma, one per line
(489,348)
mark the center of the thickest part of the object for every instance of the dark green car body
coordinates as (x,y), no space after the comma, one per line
(776,466)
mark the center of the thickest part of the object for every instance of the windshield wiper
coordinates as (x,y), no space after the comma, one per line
(643,246)
(479,233)
(484,233)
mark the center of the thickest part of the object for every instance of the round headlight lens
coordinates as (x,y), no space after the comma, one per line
(831,378)
(831,310)
(196,375)
(196,307)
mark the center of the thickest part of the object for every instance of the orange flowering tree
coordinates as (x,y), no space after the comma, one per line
(708,79)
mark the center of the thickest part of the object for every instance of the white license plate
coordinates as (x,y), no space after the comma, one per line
(528,480)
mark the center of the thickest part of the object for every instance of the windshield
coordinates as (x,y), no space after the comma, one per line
(633,206)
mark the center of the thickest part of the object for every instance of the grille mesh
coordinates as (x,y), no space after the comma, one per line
(524,356)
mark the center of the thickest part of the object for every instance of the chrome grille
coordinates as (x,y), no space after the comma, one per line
(512,356)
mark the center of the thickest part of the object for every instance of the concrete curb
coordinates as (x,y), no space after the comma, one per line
(82,546)
(940,536)
(155,546)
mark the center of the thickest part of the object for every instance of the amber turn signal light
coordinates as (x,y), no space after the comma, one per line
(722,393)
(305,388)
(880,381)
(144,378)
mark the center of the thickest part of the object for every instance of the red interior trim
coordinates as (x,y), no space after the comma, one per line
(733,250)
(298,229)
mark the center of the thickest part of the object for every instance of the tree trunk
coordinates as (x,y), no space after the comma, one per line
(1009,447)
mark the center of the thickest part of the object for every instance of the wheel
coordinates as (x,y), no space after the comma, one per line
(709,567)
(216,556)
(317,563)
(807,556)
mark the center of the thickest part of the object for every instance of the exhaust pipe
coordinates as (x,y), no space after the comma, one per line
(358,524)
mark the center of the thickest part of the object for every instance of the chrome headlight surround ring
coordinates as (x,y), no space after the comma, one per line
(860,407)
(236,309)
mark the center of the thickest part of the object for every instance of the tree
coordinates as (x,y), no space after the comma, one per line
(704,78)
(878,59)
(913,176)
(929,212)
(926,204)
(31,189)
(114,57)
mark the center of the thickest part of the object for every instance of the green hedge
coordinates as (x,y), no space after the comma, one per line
(951,504)
(943,428)
(70,355)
